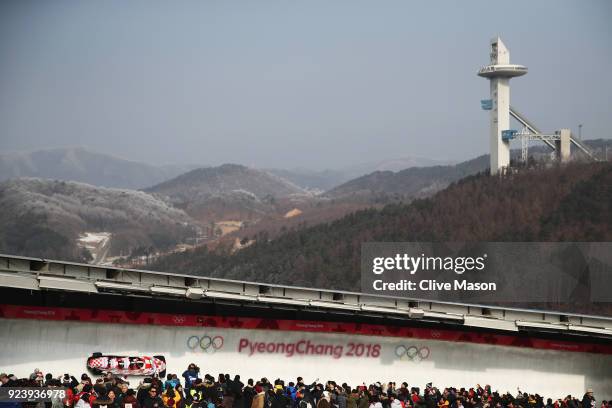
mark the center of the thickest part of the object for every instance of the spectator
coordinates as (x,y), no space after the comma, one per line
(180,391)
(129,400)
(278,398)
(190,375)
(375,402)
(236,390)
(171,398)
(106,400)
(7,381)
(248,392)
(87,389)
(143,390)
(341,397)
(324,401)
(152,399)
(56,401)
(84,381)
(38,377)
(123,388)
(351,400)
(196,393)
(83,401)
(364,400)
(394,402)
(588,401)
(259,397)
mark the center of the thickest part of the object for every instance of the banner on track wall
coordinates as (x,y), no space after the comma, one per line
(182,320)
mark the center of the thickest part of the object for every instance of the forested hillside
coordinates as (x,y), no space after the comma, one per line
(44,218)
(570,203)
(420,182)
(230,191)
(409,183)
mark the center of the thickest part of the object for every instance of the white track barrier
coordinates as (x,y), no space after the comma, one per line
(63,347)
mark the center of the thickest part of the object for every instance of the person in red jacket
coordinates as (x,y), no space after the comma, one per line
(87,390)
(415,397)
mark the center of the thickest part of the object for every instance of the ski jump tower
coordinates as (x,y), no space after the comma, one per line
(499,72)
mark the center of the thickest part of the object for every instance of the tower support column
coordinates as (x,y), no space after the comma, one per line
(500,120)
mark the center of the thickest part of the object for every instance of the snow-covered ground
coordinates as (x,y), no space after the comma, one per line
(98,243)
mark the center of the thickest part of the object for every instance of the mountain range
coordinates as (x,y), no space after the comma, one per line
(46,217)
(78,164)
(86,166)
(323,180)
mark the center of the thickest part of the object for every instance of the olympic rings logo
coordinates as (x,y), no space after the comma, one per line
(412,353)
(205,343)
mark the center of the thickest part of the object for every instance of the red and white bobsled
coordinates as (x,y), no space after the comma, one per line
(122,365)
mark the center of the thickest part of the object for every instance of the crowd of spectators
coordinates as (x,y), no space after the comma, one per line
(192,390)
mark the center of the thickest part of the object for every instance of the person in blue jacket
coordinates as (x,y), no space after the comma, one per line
(190,375)
(291,393)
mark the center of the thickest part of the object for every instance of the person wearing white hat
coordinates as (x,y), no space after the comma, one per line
(588,401)
(324,402)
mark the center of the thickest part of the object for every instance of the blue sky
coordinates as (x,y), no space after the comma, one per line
(317,84)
